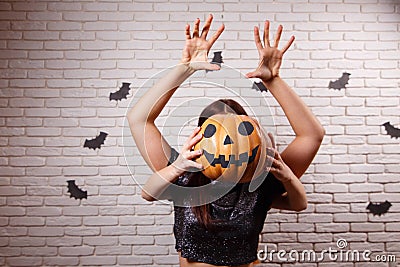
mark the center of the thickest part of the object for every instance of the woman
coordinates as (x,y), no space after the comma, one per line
(224,232)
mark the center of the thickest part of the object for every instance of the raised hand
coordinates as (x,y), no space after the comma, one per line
(197,46)
(270,56)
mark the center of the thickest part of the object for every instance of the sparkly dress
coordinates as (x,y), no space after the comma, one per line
(239,216)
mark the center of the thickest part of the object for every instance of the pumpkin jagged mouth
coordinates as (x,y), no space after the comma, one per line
(243,158)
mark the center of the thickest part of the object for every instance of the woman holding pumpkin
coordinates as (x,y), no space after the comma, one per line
(225,232)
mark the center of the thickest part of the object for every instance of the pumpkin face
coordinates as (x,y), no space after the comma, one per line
(231,147)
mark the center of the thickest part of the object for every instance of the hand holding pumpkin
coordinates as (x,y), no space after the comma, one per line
(270,57)
(277,166)
(185,161)
(197,47)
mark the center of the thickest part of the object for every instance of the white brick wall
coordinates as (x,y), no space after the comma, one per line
(60,60)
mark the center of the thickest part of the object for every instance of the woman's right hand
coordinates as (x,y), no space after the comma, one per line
(197,47)
(185,161)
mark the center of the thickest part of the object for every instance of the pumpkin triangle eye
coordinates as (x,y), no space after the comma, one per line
(209,131)
(228,140)
(245,128)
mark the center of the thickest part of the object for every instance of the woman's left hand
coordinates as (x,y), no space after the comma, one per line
(270,56)
(274,161)
(278,167)
(295,198)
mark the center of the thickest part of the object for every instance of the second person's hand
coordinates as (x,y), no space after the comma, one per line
(278,167)
(270,56)
(197,46)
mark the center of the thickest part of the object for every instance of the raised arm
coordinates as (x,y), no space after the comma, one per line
(299,154)
(151,144)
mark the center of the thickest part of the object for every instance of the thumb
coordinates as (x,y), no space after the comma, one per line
(253,74)
(204,66)
(211,66)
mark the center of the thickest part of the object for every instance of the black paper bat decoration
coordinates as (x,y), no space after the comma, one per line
(75,191)
(391,130)
(259,86)
(341,82)
(217,59)
(121,93)
(379,208)
(96,142)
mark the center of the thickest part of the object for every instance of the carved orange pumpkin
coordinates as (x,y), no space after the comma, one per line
(231,147)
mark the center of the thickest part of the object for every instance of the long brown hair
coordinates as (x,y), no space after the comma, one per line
(221,106)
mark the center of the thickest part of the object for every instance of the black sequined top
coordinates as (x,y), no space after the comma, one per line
(240,216)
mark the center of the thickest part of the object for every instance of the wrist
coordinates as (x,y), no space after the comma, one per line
(287,179)
(271,81)
(185,67)
(176,171)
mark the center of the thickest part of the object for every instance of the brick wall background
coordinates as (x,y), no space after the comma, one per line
(59,60)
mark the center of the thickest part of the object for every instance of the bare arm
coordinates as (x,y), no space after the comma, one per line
(309,132)
(151,144)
